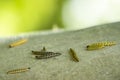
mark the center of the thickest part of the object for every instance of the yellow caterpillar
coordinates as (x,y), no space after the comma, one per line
(99,45)
(18,70)
(22,41)
(74,56)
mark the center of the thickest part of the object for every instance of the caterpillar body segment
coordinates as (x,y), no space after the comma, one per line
(39,52)
(109,43)
(36,52)
(43,50)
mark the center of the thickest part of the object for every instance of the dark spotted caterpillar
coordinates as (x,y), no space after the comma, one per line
(45,55)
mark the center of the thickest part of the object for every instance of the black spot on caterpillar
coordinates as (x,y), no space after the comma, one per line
(18,70)
(73,55)
(45,55)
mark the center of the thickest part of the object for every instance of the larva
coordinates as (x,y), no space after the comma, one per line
(39,52)
(18,70)
(45,55)
(73,54)
(22,41)
(99,45)
(95,46)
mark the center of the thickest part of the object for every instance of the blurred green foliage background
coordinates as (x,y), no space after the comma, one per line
(20,16)
(17,16)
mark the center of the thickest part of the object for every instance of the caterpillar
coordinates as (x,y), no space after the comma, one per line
(73,54)
(99,45)
(45,55)
(18,70)
(39,52)
(22,41)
